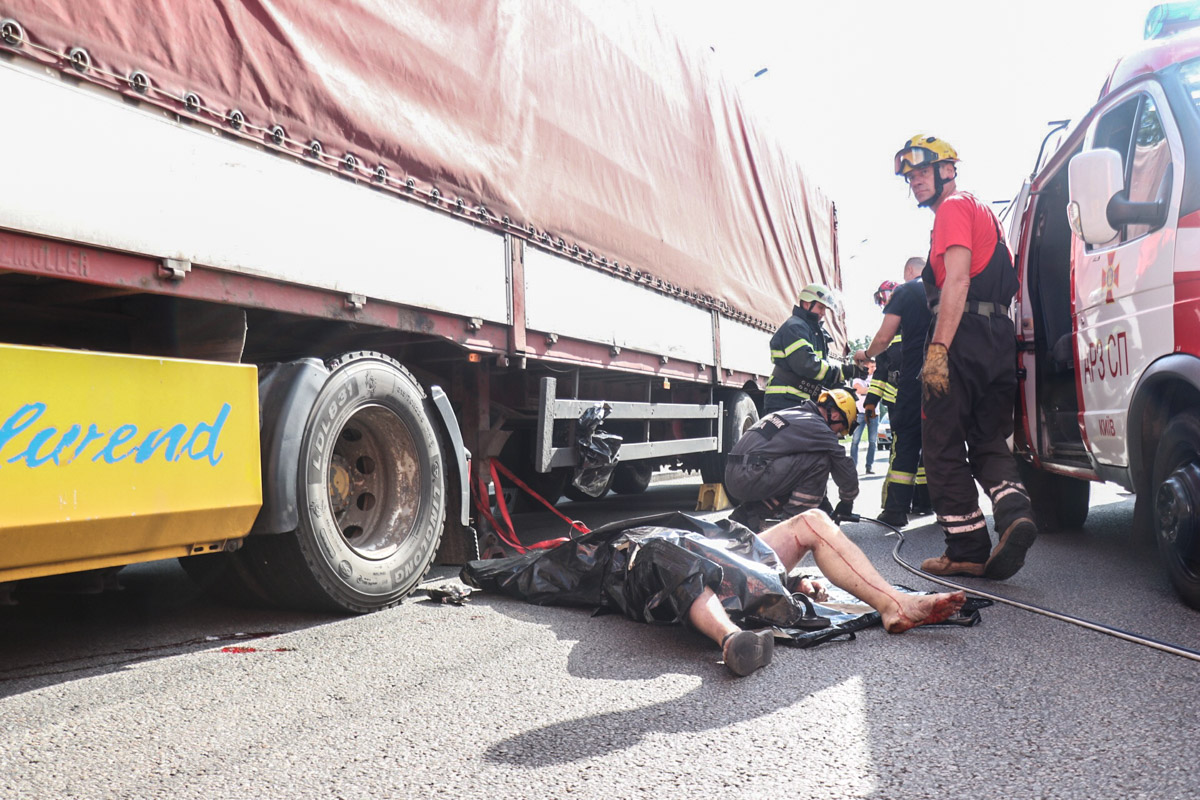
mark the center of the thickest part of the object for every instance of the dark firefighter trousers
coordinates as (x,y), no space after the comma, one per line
(905,484)
(964,437)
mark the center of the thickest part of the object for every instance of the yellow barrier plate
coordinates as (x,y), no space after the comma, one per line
(108,459)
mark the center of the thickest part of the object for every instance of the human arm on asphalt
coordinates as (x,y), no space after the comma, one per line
(806,585)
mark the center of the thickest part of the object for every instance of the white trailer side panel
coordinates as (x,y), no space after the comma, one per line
(144,183)
(570,299)
(744,348)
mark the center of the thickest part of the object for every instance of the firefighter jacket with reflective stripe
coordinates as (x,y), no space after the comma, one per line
(798,350)
(887,375)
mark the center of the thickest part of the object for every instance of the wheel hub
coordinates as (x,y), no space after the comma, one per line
(1175,506)
(374,482)
(340,490)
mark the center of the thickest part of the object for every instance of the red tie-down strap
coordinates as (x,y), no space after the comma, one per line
(506,532)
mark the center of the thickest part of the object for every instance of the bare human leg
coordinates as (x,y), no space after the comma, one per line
(848,567)
(708,616)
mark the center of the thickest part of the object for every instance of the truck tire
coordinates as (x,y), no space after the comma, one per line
(1074,499)
(632,478)
(1060,503)
(371,492)
(1177,504)
(741,414)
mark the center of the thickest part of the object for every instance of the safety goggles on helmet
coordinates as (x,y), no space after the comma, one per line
(922,151)
(913,157)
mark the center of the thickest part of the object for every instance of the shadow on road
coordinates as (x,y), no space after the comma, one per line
(52,638)
(612,648)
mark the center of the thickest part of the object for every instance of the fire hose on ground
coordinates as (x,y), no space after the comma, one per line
(1109,630)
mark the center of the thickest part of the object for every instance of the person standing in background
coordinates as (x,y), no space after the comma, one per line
(901,337)
(868,424)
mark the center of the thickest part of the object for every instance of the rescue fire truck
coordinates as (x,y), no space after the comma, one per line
(1107,237)
(279,283)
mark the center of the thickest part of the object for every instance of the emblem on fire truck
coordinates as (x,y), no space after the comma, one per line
(1110,278)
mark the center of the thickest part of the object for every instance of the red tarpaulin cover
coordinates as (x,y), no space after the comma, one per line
(587,120)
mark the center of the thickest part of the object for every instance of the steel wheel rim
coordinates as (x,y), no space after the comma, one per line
(1175,508)
(375,482)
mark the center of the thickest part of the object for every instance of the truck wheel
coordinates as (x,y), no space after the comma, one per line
(632,478)
(1074,498)
(371,492)
(1177,504)
(741,416)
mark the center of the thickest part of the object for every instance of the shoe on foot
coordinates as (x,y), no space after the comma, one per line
(921,511)
(942,565)
(1009,554)
(870,471)
(747,651)
(897,519)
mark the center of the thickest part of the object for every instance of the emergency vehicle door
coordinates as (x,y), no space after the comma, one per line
(1025,416)
(1044,317)
(1124,287)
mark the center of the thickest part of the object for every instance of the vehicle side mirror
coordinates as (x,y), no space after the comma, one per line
(1095,178)
(1123,212)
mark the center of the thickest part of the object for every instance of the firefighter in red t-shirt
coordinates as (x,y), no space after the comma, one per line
(969,378)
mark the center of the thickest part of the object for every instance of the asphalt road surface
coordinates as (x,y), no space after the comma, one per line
(157,692)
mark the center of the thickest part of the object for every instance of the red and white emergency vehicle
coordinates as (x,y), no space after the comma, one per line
(1107,237)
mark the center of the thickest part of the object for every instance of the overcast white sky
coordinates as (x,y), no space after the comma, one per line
(849,81)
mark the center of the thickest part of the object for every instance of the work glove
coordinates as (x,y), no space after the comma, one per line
(869,409)
(936,372)
(844,508)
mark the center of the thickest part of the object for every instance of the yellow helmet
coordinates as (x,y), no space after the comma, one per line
(923,149)
(820,293)
(844,401)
